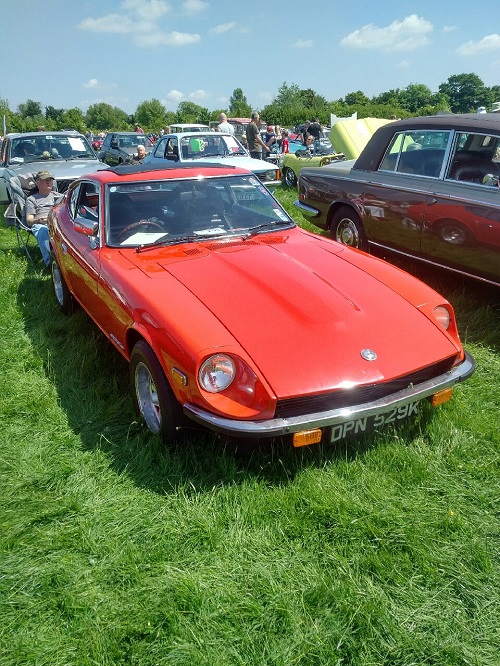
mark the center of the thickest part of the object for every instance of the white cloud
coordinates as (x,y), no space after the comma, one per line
(150,10)
(139,19)
(158,38)
(198,95)
(485,45)
(405,35)
(402,64)
(111,23)
(449,28)
(303,44)
(223,27)
(96,84)
(194,6)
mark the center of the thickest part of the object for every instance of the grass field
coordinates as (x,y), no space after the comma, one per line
(114,550)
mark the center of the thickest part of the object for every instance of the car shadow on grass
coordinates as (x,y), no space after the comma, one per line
(92,385)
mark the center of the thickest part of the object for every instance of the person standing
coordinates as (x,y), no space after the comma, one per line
(223,125)
(316,129)
(254,140)
(285,143)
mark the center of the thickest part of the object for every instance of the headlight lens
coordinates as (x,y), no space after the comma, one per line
(442,316)
(271,175)
(217,373)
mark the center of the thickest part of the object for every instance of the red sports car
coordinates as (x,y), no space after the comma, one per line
(235,319)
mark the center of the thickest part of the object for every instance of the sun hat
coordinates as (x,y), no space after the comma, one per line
(43,175)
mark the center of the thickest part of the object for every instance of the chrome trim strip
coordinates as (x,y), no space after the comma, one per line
(277,427)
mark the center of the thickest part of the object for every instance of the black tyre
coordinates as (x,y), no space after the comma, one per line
(346,228)
(289,177)
(153,397)
(61,291)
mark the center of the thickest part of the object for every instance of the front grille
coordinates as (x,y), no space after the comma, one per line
(357,396)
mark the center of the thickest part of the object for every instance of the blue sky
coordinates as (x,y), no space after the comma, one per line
(74,53)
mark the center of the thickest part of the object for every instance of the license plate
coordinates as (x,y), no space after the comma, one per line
(368,423)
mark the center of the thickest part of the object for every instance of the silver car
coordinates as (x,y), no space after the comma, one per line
(215,147)
(67,155)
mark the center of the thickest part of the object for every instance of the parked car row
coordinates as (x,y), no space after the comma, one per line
(193,271)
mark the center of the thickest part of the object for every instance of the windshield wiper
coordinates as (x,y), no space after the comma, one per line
(265,226)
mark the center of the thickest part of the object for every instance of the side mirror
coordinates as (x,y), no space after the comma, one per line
(86,227)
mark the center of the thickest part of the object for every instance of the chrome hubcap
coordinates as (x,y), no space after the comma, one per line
(147,397)
(57,282)
(347,233)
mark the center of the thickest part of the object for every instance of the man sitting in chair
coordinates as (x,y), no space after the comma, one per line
(37,210)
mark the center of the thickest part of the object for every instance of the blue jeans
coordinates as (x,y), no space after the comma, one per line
(41,233)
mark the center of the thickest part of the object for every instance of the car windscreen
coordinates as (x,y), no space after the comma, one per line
(212,144)
(189,210)
(49,147)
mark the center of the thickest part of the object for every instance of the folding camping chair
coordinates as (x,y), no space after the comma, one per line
(20,187)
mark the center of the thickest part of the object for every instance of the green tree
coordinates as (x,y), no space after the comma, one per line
(103,116)
(73,119)
(238,105)
(357,98)
(151,115)
(464,92)
(189,112)
(30,109)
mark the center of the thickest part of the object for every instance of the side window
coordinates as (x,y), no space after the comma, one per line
(420,153)
(474,159)
(73,201)
(160,147)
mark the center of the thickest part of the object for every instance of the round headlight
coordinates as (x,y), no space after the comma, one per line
(443,316)
(217,373)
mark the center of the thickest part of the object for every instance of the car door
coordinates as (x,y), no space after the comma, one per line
(462,230)
(78,252)
(396,195)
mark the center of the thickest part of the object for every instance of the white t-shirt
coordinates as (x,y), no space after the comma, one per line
(226,127)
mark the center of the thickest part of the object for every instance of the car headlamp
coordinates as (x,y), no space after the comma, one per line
(442,316)
(217,373)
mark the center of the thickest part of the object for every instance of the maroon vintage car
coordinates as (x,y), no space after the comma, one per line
(425,187)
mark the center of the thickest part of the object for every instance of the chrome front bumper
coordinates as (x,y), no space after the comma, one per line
(284,426)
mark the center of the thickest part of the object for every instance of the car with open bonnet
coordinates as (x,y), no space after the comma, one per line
(424,187)
(234,319)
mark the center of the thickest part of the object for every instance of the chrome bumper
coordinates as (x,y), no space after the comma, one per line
(279,426)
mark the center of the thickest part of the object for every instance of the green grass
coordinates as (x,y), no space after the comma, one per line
(115,550)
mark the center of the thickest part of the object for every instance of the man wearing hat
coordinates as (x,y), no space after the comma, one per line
(37,210)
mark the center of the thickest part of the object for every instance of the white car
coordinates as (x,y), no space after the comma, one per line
(213,147)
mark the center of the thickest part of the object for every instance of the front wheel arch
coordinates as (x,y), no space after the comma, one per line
(152,395)
(346,228)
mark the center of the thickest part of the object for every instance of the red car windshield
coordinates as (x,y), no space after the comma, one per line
(171,211)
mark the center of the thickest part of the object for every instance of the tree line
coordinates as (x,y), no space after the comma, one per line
(461,93)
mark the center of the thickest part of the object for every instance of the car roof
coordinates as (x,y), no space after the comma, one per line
(195,135)
(452,121)
(16,135)
(139,172)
